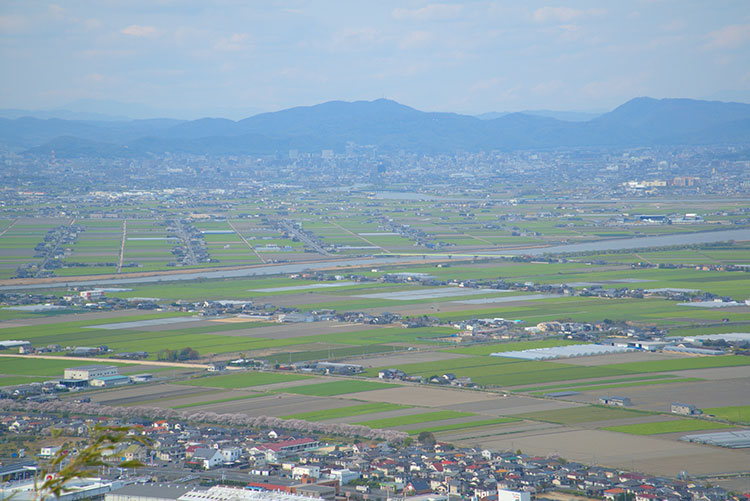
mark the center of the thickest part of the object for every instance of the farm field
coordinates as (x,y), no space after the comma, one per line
(345,412)
(733,413)
(507,410)
(674,426)
(337,388)
(585,414)
(245,380)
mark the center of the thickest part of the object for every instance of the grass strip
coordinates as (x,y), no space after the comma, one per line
(595,383)
(244,380)
(659,427)
(353,410)
(336,388)
(627,385)
(734,413)
(462,426)
(220,401)
(425,417)
(584,414)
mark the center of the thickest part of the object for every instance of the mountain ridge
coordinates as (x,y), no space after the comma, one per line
(389,126)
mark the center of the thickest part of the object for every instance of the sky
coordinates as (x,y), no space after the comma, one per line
(234,58)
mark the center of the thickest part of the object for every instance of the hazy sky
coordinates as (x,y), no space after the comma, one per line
(230,58)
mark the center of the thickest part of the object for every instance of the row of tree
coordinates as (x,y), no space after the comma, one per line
(155,413)
(177,355)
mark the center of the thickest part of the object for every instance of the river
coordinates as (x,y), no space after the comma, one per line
(598,246)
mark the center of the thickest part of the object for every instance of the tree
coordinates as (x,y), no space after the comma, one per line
(426,438)
(64,467)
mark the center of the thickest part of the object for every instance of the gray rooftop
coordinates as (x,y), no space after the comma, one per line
(161,491)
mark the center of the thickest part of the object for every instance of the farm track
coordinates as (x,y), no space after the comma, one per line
(122,246)
(112,360)
(252,247)
(11,225)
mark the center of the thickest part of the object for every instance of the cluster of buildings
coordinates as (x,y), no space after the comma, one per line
(279,466)
(74,379)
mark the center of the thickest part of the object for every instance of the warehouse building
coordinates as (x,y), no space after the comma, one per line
(89,372)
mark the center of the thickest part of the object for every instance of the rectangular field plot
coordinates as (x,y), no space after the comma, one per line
(465,426)
(734,413)
(583,414)
(430,293)
(410,419)
(145,323)
(342,412)
(304,287)
(674,426)
(337,388)
(245,380)
(19,366)
(219,401)
(486,349)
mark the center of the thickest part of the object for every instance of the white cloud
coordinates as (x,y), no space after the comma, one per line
(95,78)
(674,25)
(233,43)
(351,39)
(416,40)
(12,23)
(616,87)
(428,13)
(546,87)
(92,24)
(563,14)
(486,84)
(56,11)
(140,31)
(729,37)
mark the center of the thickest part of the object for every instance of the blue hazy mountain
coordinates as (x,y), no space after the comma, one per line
(389,126)
(565,116)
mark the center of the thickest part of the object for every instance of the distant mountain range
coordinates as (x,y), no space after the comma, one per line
(389,126)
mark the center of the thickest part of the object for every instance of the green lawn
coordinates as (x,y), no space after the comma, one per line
(734,413)
(341,412)
(244,380)
(336,388)
(676,426)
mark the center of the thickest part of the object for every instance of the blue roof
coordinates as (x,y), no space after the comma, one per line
(111,378)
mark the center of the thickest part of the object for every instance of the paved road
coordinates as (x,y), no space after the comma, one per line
(112,360)
(302,236)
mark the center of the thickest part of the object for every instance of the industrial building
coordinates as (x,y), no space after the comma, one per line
(615,401)
(233,494)
(684,409)
(89,372)
(109,381)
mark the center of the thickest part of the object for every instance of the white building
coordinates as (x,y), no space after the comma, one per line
(231,454)
(344,476)
(49,450)
(306,471)
(109,381)
(506,495)
(77,489)
(207,458)
(91,295)
(88,372)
